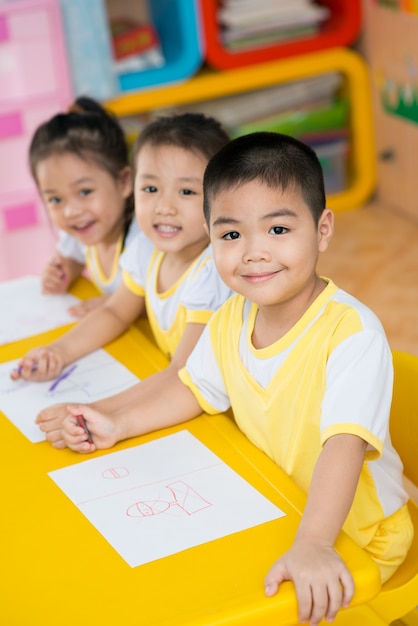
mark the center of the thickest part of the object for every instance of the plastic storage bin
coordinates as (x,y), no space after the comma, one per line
(361,159)
(94,73)
(178,25)
(341,29)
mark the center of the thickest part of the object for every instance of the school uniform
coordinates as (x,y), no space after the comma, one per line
(70,247)
(192,299)
(331,373)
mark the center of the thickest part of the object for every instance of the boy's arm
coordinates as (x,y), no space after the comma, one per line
(323,583)
(154,383)
(94,331)
(50,418)
(173,404)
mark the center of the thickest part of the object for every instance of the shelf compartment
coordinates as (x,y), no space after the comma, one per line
(340,29)
(361,175)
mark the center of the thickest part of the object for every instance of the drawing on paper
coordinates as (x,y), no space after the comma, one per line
(175,494)
(115,473)
(179,497)
(91,378)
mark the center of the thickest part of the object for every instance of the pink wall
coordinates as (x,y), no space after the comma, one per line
(34,85)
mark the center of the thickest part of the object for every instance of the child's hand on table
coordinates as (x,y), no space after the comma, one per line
(102,428)
(50,422)
(84,307)
(322,581)
(39,364)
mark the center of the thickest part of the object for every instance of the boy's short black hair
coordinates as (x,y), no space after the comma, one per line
(276,160)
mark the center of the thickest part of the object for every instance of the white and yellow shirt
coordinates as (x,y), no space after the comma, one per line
(70,247)
(331,373)
(196,295)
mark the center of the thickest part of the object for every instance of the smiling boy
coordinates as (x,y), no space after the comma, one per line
(305,367)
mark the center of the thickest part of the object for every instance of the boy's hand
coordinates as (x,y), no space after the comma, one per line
(102,428)
(54,278)
(81,309)
(50,422)
(39,364)
(323,583)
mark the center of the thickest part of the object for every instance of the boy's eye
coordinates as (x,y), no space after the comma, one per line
(186,192)
(150,189)
(231,235)
(278,230)
(85,192)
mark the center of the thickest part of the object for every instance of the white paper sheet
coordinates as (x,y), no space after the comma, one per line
(91,378)
(25,311)
(163,497)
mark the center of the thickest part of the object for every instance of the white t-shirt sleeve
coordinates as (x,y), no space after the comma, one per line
(359,389)
(133,231)
(71,248)
(205,290)
(203,376)
(135,260)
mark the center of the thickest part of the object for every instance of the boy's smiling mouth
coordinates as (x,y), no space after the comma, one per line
(260,277)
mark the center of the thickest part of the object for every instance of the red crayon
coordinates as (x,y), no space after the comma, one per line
(82,422)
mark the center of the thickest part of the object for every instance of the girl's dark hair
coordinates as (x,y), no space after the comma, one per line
(277,161)
(88,131)
(191,131)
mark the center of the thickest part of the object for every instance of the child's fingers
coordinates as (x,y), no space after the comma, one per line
(275,576)
(82,309)
(47,367)
(25,368)
(53,285)
(54,278)
(74,436)
(348,587)
(44,366)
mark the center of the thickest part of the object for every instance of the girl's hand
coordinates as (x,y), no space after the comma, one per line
(54,277)
(322,582)
(39,364)
(83,308)
(102,429)
(50,422)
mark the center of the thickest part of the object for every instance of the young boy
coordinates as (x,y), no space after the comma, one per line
(305,367)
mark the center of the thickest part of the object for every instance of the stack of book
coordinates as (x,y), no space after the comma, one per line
(245,24)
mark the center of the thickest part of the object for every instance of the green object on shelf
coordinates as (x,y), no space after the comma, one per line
(299,121)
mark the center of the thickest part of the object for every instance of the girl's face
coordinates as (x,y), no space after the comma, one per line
(169,199)
(82,198)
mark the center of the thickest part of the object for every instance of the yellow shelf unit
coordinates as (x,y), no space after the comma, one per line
(210,84)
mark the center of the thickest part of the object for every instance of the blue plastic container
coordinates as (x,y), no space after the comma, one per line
(178,26)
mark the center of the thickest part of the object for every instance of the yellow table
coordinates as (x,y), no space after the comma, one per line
(58,569)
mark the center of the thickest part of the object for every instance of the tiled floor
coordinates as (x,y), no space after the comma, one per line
(374,256)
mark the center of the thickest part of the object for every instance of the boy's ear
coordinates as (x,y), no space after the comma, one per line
(126,182)
(206,228)
(325,229)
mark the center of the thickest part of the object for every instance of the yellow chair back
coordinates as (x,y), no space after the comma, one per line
(399,595)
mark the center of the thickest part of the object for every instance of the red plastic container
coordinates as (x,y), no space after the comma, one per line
(340,29)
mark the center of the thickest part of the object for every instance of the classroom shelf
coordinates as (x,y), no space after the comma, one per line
(177,23)
(210,84)
(340,29)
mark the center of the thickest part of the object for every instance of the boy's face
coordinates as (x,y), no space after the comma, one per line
(266,244)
